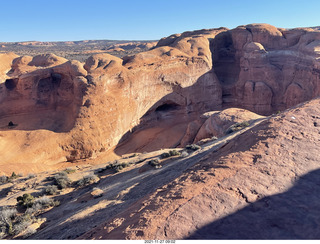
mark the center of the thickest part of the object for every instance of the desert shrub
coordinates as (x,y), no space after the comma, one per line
(100,170)
(8,220)
(237,127)
(155,163)
(174,153)
(26,200)
(14,176)
(109,166)
(4,179)
(62,180)
(125,165)
(171,153)
(184,154)
(40,204)
(7,214)
(112,165)
(51,190)
(69,170)
(30,176)
(193,147)
(20,226)
(118,166)
(46,202)
(88,179)
(165,155)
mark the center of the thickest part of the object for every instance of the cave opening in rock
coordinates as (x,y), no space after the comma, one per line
(225,64)
(167,107)
(56,78)
(11,84)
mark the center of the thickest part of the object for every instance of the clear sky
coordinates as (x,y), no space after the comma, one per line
(62,20)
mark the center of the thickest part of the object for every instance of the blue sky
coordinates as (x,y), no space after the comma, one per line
(62,20)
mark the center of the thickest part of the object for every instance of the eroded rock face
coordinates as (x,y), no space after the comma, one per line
(57,88)
(88,108)
(269,69)
(96,105)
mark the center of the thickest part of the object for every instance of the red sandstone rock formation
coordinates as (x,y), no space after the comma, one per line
(89,108)
(263,184)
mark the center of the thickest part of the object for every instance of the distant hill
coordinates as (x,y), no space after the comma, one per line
(78,50)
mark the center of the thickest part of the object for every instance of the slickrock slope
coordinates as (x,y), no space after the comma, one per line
(63,111)
(262,184)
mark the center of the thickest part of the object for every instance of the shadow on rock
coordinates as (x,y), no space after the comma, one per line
(294,214)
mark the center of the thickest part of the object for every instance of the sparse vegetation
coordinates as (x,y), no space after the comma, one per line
(155,163)
(26,200)
(171,153)
(87,180)
(8,219)
(237,127)
(174,153)
(165,155)
(4,179)
(13,222)
(51,190)
(193,147)
(43,203)
(69,170)
(118,166)
(30,176)
(62,180)
(14,176)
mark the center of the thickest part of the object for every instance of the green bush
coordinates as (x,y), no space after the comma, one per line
(117,166)
(193,147)
(237,127)
(165,155)
(154,163)
(174,153)
(26,200)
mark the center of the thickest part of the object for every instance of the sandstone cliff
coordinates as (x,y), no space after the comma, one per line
(66,110)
